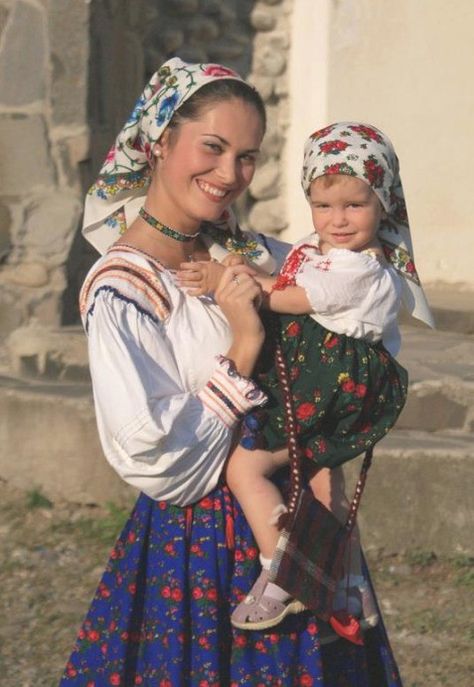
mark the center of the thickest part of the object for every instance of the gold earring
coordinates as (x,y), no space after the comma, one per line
(157,152)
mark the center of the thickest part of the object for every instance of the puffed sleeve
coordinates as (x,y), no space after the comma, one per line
(160,438)
(353,293)
(338,280)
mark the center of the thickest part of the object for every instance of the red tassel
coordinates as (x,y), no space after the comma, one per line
(229,531)
(347,627)
(188,519)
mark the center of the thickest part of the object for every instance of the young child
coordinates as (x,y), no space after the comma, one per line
(339,293)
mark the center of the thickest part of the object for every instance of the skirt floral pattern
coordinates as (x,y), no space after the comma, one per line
(347,393)
(160,616)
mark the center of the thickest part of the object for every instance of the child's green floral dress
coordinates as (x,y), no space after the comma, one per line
(347,392)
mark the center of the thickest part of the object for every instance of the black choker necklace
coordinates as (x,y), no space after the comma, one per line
(172,233)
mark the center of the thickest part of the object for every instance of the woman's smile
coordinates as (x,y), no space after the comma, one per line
(213,192)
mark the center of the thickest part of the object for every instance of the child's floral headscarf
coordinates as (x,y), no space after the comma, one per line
(114,200)
(362,151)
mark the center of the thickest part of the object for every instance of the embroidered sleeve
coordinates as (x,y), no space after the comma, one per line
(229,395)
(160,437)
(133,282)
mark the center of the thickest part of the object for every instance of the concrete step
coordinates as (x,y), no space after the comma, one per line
(418,493)
(49,441)
(452,306)
(441,373)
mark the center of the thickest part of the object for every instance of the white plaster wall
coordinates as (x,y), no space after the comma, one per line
(408,68)
(308,72)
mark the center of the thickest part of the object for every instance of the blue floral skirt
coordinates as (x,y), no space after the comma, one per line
(160,616)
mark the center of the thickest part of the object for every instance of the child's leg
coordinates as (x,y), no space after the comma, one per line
(354,594)
(247,476)
(328,486)
(266,604)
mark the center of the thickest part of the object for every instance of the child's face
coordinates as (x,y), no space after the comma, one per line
(346,214)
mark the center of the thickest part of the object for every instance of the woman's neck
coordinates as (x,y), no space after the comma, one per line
(168,251)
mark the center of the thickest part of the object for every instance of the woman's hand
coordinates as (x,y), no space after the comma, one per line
(238,296)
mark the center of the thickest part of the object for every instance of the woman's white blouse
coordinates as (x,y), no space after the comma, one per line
(166,403)
(357,294)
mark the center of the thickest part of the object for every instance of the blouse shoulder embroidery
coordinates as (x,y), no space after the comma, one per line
(372,253)
(296,258)
(324,264)
(136,284)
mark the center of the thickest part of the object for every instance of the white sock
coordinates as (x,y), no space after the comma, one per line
(273,590)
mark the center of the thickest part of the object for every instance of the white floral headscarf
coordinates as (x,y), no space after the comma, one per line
(114,200)
(365,152)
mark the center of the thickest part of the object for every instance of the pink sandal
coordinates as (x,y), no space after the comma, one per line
(260,612)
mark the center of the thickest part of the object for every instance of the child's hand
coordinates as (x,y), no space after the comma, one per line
(200,277)
(234,259)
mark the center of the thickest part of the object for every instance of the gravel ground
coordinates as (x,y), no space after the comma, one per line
(427,602)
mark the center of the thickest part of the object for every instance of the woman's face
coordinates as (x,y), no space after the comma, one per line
(206,163)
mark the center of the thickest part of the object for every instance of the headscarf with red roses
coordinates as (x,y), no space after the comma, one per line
(114,200)
(365,152)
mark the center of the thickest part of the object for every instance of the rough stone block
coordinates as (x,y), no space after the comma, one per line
(39,351)
(50,225)
(265,183)
(180,7)
(262,19)
(226,50)
(211,6)
(268,216)
(171,39)
(23,56)
(263,84)
(5,236)
(203,29)
(69,35)
(269,62)
(11,312)
(193,53)
(25,162)
(73,149)
(33,274)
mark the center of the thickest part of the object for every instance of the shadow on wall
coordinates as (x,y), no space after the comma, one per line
(128,42)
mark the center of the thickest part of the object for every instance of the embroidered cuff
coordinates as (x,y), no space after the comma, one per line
(229,395)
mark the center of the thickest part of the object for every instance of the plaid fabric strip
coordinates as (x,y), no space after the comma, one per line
(309,558)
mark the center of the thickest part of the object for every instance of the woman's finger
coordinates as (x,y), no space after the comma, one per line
(236,273)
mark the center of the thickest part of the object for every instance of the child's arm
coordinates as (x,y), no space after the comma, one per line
(291,300)
(203,277)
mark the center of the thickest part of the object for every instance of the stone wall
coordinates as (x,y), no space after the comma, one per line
(43,139)
(64,95)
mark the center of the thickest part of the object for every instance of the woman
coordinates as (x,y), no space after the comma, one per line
(171,382)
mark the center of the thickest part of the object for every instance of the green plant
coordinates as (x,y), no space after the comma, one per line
(36,499)
(421,557)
